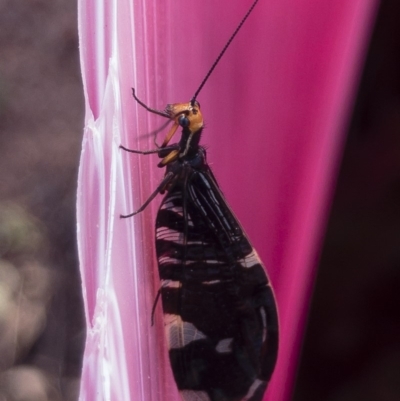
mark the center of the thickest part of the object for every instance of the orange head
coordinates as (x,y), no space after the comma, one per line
(187,115)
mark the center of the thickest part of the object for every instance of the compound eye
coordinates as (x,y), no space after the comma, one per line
(183,121)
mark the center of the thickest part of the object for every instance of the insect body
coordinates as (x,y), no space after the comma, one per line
(219,309)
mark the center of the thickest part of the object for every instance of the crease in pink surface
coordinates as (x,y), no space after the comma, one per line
(275,110)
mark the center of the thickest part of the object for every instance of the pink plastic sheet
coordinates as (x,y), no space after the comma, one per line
(275,111)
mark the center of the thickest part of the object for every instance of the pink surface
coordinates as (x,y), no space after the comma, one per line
(275,111)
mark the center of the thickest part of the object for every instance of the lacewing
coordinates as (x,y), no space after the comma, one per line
(220,314)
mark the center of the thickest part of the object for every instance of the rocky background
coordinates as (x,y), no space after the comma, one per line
(352,346)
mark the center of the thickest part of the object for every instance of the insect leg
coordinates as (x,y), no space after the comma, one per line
(148,152)
(153,310)
(167,179)
(150,109)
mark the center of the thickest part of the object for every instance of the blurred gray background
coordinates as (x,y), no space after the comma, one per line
(352,345)
(41,118)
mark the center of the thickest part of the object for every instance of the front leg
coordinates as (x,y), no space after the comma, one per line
(161,187)
(160,151)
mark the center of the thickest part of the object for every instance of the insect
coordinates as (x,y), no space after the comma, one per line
(220,314)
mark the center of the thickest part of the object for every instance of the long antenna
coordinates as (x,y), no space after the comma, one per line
(222,52)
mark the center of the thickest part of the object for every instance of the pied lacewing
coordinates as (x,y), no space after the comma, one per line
(220,314)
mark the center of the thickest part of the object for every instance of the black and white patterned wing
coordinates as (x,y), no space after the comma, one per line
(219,310)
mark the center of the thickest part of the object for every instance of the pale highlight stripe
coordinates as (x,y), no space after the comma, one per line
(174,261)
(253,388)
(170,235)
(251,260)
(211,282)
(171,284)
(264,320)
(224,346)
(171,207)
(190,395)
(180,333)
(166,233)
